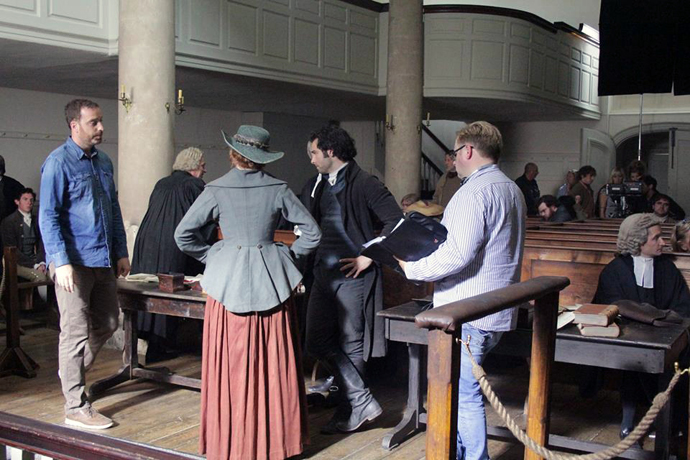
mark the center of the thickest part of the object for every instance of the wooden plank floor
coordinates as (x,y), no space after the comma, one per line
(168,417)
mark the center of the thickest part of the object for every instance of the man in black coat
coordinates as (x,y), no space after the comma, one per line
(641,274)
(10,189)
(529,187)
(155,250)
(342,326)
(20,229)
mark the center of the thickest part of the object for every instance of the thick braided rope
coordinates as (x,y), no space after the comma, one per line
(610,452)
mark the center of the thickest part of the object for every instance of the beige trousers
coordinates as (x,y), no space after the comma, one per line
(88,317)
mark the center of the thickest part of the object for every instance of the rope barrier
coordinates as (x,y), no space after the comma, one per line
(610,452)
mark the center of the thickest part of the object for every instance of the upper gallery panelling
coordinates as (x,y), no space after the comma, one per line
(80,24)
(503,57)
(321,42)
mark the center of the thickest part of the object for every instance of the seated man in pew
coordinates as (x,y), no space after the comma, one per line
(20,229)
(553,209)
(666,208)
(641,274)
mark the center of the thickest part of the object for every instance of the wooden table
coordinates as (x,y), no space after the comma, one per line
(146,297)
(641,348)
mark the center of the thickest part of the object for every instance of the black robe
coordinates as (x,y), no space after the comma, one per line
(365,202)
(617,281)
(155,250)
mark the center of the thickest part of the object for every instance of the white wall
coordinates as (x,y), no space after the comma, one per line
(32,124)
(555,146)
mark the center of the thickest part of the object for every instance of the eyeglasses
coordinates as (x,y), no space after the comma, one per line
(454,153)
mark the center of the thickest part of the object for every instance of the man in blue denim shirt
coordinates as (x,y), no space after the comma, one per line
(83,234)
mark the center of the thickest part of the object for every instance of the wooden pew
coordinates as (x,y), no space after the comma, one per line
(14,360)
(564,234)
(574,243)
(581,264)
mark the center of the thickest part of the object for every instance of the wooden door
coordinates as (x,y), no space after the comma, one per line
(679,167)
(598,150)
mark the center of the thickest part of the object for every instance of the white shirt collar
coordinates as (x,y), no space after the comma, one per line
(26,215)
(332,178)
(644,271)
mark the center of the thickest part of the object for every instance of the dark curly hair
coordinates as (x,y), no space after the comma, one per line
(333,137)
(585,171)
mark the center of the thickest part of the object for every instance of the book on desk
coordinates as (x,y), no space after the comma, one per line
(597,320)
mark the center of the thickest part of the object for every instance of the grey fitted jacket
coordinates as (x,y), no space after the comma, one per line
(247,271)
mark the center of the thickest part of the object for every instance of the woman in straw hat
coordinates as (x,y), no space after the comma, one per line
(252,391)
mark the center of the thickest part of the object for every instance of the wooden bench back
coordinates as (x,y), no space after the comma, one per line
(582,265)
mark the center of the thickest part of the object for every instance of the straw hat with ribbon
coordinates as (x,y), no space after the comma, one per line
(252,142)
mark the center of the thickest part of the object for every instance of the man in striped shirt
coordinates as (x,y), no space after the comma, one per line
(486,231)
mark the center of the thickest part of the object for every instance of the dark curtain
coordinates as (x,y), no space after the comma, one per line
(644,47)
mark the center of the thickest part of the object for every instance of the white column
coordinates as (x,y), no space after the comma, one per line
(147,71)
(404,97)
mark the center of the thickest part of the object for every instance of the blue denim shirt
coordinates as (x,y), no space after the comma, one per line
(80,217)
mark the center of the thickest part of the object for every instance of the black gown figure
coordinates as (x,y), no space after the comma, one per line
(155,252)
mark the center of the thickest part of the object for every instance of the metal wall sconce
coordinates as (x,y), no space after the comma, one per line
(428,119)
(179,105)
(389,122)
(126,101)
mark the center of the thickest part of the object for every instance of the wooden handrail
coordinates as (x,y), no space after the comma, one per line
(443,368)
(435,139)
(431,164)
(62,442)
(450,317)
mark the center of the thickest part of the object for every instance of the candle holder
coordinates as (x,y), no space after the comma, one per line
(389,122)
(126,101)
(179,105)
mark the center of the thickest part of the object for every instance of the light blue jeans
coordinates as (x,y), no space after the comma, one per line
(472,443)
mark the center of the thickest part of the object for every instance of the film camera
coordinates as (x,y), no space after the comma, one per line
(622,196)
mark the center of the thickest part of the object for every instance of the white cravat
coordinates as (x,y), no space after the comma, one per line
(644,271)
(27,217)
(333,177)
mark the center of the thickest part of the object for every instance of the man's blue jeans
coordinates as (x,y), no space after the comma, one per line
(471,416)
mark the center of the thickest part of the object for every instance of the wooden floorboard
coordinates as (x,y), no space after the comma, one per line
(166,416)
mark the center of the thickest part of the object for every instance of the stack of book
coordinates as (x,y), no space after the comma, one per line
(597,320)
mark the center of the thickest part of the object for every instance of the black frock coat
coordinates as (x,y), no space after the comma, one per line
(155,250)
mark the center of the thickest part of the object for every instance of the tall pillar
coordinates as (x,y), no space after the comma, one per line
(147,71)
(404,97)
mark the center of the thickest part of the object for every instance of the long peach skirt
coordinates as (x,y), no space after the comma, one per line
(253,405)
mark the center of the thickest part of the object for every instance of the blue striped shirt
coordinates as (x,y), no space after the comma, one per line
(486,233)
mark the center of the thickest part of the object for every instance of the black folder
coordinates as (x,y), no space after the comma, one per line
(415,237)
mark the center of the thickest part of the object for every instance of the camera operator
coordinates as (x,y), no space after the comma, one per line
(611,206)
